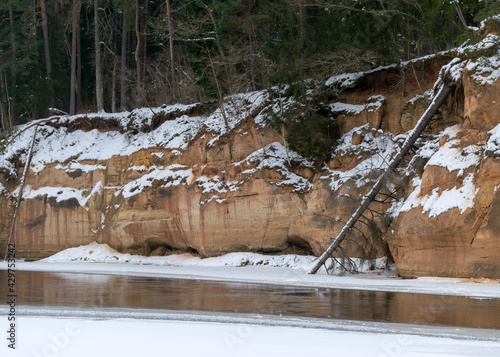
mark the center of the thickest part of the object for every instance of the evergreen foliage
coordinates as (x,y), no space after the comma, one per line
(220,47)
(307,124)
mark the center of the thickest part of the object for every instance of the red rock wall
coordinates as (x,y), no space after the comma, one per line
(264,215)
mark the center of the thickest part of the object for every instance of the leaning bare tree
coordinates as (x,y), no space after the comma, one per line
(444,90)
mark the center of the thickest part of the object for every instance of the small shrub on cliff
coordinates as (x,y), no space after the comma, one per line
(469,38)
(3,143)
(309,128)
(488,12)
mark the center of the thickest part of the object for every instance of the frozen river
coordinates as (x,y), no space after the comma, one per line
(76,290)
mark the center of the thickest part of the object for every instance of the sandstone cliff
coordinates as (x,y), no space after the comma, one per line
(213,179)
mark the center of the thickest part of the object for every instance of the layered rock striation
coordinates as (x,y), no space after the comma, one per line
(216,179)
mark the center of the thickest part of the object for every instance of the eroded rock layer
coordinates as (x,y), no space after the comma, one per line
(215,180)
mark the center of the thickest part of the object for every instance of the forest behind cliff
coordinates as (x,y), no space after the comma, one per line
(89,55)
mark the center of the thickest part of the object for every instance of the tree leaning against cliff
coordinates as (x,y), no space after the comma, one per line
(445,84)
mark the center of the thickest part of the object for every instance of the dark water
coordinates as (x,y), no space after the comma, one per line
(90,290)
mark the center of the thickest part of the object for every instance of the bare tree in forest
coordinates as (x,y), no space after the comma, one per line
(114,75)
(138,54)
(75,38)
(171,44)
(13,44)
(303,39)
(123,60)
(5,118)
(99,91)
(141,25)
(144,32)
(78,63)
(46,46)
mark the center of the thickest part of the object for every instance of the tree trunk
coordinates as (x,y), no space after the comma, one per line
(138,55)
(221,52)
(461,15)
(99,90)
(4,119)
(13,44)
(78,63)
(6,125)
(252,62)
(439,99)
(73,59)
(171,40)
(46,46)
(123,64)
(144,32)
(113,77)
(303,41)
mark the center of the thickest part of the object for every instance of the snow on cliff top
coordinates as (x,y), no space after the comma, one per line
(58,144)
(485,70)
(347,80)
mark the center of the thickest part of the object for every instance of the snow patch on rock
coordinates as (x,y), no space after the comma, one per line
(455,158)
(276,157)
(169,176)
(382,149)
(493,143)
(485,70)
(426,96)
(61,194)
(372,104)
(436,203)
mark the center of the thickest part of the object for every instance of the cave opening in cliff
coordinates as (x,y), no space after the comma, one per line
(153,247)
(294,245)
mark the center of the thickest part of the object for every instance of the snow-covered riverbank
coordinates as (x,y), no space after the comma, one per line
(247,267)
(55,331)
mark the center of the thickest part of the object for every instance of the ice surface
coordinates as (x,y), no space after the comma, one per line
(219,336)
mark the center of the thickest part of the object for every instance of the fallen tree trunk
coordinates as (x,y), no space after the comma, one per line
(445,88)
